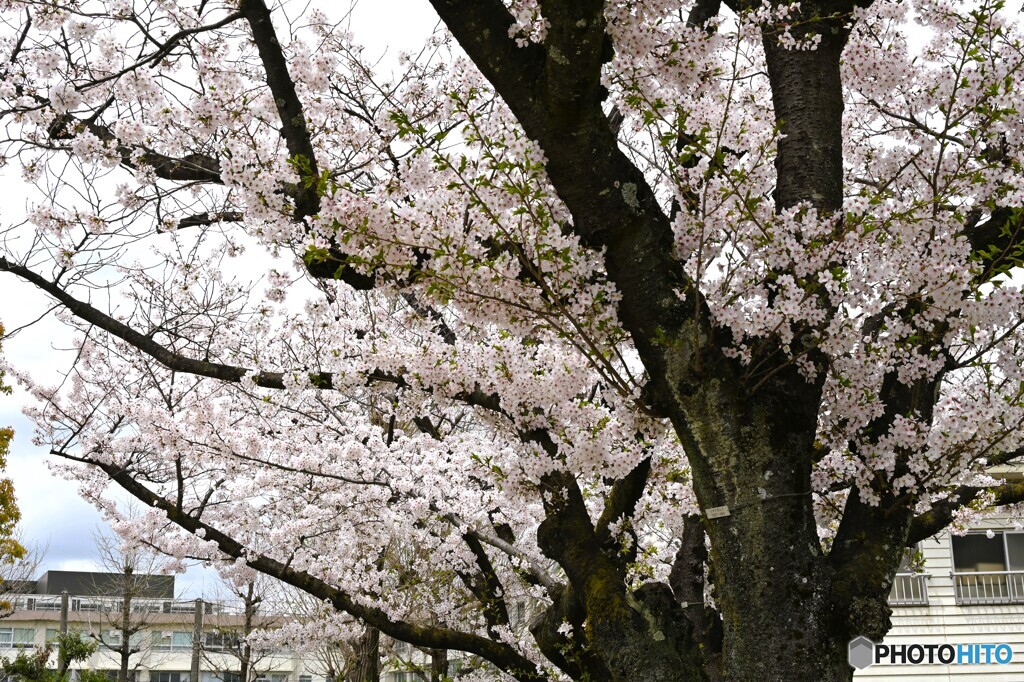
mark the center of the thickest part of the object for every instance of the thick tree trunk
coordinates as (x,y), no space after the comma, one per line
(438,665)
(771,582)
(787,612)
(752,448)
(367,654)
(618,634)
(244,663)
(807,92)
(691,572)
(122,672)
(125,650)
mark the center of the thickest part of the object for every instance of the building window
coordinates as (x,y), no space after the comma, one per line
(168,676)
(24,638)
(146,606)
(989,570)
(272,677)
(172,641)
(179,607)
(17,638)
(161,642)
(112,675)
(909,588)
(80,604)
(52,634)
(42,603)
(218,640)
(112,638)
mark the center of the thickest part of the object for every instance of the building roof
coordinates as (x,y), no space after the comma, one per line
(95,584)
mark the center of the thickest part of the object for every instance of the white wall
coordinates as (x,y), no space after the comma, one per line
(944,622)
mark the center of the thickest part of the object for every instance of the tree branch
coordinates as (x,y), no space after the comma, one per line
(621,503)
(501,655)
(535,569)
(611,203)
(194,167)
(998,243)
(481,27)
(702,12)
(569,651)
(687,582)
(576,47)
(289,108)
(205,219)
(486,586)
(216,370)
(941,514)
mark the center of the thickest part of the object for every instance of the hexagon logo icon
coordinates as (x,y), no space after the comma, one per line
(862,652)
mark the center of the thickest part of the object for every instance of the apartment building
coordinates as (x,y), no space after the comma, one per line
(165,630)
(165,633)
(958,597)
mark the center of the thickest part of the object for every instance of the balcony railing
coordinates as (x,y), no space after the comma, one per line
(989,587)
(49,602)
(909,589)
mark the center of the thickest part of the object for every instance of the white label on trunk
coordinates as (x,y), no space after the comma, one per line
(716,512)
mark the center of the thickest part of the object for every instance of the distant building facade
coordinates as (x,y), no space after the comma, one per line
(165,637)
(960,596)
(165,624)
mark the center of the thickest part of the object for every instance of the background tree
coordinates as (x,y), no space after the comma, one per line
(11,550)
(14,576)
(35,666)
(634,273)
(244,609)
(123,624)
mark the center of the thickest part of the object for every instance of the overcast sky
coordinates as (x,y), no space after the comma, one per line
(53,515)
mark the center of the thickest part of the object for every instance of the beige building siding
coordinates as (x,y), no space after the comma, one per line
(945,622)
(272,666)
(282,666)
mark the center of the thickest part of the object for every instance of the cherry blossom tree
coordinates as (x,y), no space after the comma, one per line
(671,322)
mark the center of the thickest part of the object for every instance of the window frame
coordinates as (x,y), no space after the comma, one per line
(10,639)
(989,588)
(909,587)
(165,641)
(156,675)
